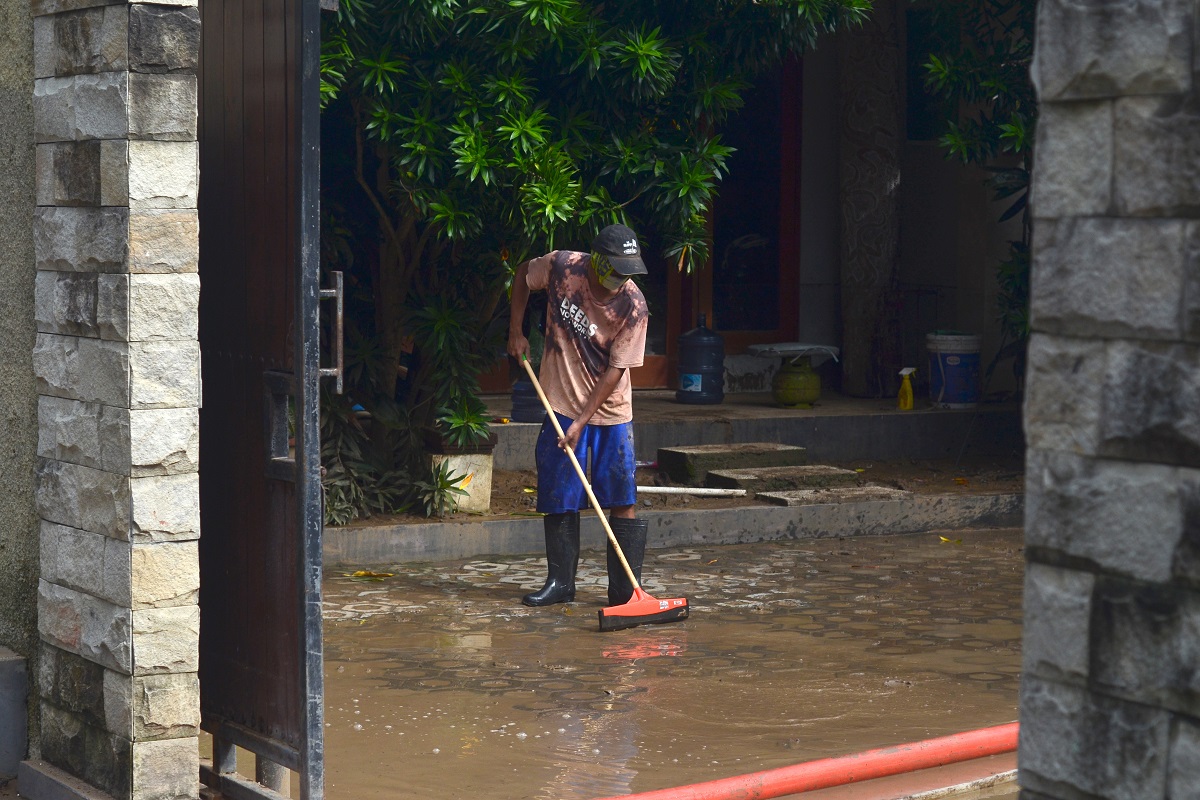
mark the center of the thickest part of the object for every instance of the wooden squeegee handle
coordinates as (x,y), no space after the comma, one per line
(612,537)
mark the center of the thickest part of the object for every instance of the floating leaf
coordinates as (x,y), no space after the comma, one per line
(950,541)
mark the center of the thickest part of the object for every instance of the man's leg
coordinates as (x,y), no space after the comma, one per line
(562,560)
(559,493)
(615,472)
(630,534)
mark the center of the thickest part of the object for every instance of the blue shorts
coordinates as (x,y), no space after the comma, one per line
(612,474)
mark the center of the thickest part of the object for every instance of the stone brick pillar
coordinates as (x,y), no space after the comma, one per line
(118,371)
(1110,698)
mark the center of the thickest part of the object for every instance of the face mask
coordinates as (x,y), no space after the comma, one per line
(608,277)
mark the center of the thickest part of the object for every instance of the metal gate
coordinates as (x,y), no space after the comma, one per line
(260,492)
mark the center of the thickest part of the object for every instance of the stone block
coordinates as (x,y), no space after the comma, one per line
(81,107)
(689,465)
(166,640)
(1150,394)
(91,370)
(82,42)
(1064,393)
(833,495)
(68,173)
(164,374)
(69,430)
(1145,641)
(1158,146)
(118,703)
(1125,518)
(1108,278)
(47,7)
(166,770)
(81,239)
(164,307)
(164,241)
(65,303)
(1058,605)
(68,680)
(1183,771)
(14,711)
(1191,289)
(164,39)
(1071,738)
(164,441)
(165,508)
(163,107)
(86,751)
(1094,48)
(166,574)
(84,498)
(163,174)
(112,307)
(88,562)
(166,706)
(114,173)
(1186,562)
(1073,174)
(766,479)
(87,626)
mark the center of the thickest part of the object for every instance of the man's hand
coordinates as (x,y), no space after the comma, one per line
(570,439)
(518,345)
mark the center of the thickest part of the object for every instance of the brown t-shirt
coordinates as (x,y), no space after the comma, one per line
(584,337)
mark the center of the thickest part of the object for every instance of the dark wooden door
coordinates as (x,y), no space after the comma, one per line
(260,568)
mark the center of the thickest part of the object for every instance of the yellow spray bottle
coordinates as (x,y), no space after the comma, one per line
(904,401)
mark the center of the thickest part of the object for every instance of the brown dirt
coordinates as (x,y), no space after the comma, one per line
(513,490)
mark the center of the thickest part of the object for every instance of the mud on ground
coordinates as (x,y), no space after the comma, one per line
(514,491)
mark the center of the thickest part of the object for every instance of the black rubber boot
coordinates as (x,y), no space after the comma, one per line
(631,535)
(562,559)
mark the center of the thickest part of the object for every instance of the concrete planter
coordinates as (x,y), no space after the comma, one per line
(474,463)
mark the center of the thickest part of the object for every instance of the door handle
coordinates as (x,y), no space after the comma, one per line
(336,293)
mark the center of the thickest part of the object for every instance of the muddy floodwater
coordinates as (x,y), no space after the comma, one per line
(440,684)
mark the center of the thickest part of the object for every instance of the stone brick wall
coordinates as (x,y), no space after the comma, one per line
(1110,699)
(116,360)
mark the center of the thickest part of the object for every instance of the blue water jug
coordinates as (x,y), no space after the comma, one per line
(701,366)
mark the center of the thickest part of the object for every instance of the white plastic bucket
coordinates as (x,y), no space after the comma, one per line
(953,369)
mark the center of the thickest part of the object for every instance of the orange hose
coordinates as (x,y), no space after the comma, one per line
(839,771)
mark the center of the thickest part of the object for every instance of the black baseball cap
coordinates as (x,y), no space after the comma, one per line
(619,244)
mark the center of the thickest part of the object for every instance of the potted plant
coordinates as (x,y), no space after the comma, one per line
(461,444)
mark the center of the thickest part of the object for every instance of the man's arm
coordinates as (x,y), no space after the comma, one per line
(518,344)
(604,388)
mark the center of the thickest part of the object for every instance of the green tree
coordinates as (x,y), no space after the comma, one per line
(981,71)
(486,130)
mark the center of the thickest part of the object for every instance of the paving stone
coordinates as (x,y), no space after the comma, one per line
(766,479)
(837,495)
(689,465)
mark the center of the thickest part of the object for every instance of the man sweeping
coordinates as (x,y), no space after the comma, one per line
(596,319)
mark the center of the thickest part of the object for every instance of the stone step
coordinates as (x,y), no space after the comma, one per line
(689,465)
(812,497)
(769,479)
